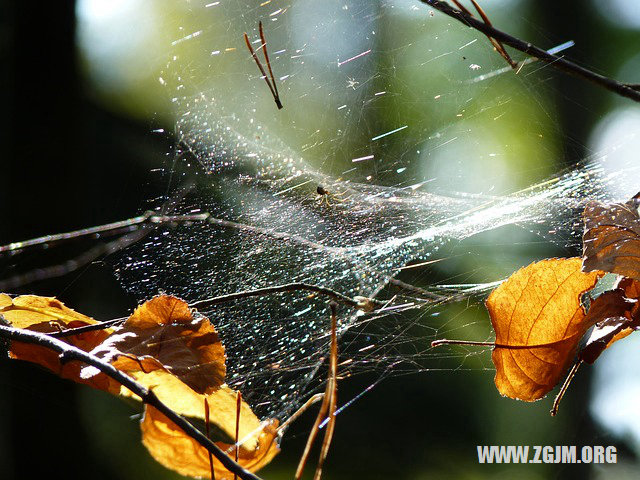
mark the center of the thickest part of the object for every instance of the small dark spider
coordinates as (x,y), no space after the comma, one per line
(326,196)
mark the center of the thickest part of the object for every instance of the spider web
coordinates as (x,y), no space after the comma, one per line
(425,161)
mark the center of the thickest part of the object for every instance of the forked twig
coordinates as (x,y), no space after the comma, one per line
(496,43)
(327,408)
(271,84)
(558,62)
(69,353)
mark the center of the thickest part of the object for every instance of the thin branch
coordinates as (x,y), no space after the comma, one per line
(272,88)
(563,389)
(558,62)
(238,407)
(266,57)
(114,228)
(360,303)
(327,407)
(88,328)
(288,287)
(212,472)
(111,229)
(313,400)
(74,264)
(332,387)
(143,225)
(445,341)
(420,291)
(497,45)
(69,353)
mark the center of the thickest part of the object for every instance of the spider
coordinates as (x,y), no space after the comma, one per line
(326,196)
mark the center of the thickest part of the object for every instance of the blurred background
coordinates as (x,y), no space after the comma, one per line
(87,124)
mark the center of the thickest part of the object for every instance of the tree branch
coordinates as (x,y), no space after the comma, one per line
(558,62)
(69,352)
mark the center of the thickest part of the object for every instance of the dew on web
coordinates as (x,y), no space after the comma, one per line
(390,151)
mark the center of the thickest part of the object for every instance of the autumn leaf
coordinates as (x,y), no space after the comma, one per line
(27,310)
(616,314)
(539,320)
(50,315)
(171,447)
(162,333)
(166,349)
(611,240)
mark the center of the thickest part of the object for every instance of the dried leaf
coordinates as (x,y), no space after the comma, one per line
(615,314)
(538,320)
(171,447)
(631,287)
(183,400)
(162,333)
(611,241)
(27,310)
(165,348)
(49,315)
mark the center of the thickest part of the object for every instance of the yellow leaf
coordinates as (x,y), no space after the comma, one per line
(538,320)
(49,315)
(171,447)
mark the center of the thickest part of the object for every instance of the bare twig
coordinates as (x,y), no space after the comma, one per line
(74,264)
(558,62)
(238,407)
(496,44)
(148,218)
(311,401)
(114,228)
(288,287)
(332,387)
(420,291)
(88,328)
(563,389)
(70,353)
(273,88)
(212,472)
(359,303)
(444,341)
(327,408)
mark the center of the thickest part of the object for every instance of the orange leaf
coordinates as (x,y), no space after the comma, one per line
(49,315)
(611,240)
(538,320)
(163,333)
(171,447)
